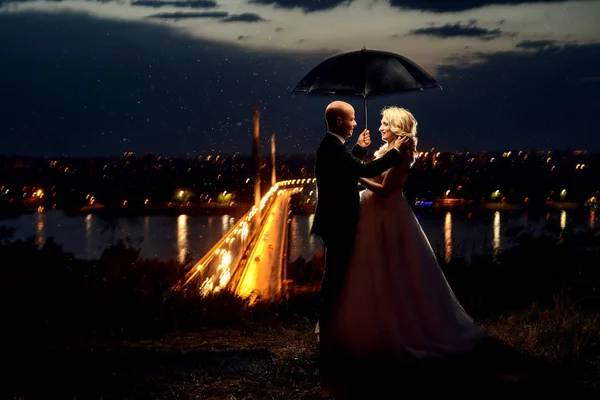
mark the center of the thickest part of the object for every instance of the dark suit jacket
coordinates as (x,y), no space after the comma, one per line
(337,170)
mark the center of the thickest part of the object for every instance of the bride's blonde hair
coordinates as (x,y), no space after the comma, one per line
(402,123)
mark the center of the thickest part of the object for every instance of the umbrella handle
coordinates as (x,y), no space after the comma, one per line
(366,119)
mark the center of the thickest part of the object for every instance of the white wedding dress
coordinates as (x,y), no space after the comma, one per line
(396,298)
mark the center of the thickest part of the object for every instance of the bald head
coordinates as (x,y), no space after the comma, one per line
(339,116)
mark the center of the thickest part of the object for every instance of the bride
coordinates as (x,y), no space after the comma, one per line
(395,298)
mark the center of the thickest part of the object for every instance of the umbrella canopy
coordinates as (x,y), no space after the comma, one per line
(366,73)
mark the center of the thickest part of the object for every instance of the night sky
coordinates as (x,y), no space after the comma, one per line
(87,78)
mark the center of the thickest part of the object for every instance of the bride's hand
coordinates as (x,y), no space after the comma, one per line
(403,143)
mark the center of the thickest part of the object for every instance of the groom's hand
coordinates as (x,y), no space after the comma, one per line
(364,139)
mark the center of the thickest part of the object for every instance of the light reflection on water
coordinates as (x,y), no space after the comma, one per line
(497,235)
(172,237)
(226,223)
(88,233)
(40,238)
(182,237)
(469,234)
(448,237)
(302,243)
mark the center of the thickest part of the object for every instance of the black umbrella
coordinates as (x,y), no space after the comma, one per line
(366,73)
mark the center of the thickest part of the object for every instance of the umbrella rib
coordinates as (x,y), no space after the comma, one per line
(418,84)
(407,72)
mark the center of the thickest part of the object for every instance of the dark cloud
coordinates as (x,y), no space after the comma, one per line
(515,100)
(537,44)
(425,5)
(458,30)
(144,3)
(442,6)
(306,5)
(2,2)
(79,85)
(188,15)
(183,4)
(244,17)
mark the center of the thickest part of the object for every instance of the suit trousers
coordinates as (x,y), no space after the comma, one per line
(338,251)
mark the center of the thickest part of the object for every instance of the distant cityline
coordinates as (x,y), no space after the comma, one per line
(265,154)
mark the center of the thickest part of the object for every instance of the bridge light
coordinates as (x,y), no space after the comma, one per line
(226,259)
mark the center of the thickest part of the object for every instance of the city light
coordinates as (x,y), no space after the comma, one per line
(496,195)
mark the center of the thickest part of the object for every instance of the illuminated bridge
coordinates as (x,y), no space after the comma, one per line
(251,258)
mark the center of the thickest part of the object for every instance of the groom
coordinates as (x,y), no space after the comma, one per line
(337,170)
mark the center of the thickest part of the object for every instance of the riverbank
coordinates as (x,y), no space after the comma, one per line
(309,208)
(110,328)
(235,210)
(239,209)
(279,362)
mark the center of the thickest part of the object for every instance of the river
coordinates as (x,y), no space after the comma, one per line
(172,237)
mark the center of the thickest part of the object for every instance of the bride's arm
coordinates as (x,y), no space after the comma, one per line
(391,180)
(371,184)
